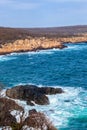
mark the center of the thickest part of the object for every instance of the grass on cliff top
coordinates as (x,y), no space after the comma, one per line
(12,34)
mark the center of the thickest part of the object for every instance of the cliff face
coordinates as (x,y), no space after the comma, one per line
(38,43)
(73,39)
(30,44)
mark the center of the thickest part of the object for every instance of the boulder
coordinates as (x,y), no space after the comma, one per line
(6,119)
(50,90)
(62,46)
(38,120)
(32,93)
(28,93)
(6,105)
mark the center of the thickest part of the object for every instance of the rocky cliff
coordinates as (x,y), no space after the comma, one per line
(73,39)
(13,104)
(30,44)
(33,39)
(39,43)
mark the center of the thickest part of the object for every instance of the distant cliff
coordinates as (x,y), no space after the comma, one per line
(30,44)
(21,40)
(73,39)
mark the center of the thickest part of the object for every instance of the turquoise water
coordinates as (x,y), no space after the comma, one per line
(65,68)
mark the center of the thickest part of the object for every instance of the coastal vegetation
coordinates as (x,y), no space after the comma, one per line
(11,34)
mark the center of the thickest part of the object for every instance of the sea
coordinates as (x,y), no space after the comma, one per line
(65,68)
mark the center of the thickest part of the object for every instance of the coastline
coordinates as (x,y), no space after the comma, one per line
(70,59)
(30,44)
(12,99)
(35,39)
(39,43)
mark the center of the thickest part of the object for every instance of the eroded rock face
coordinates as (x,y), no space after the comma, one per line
(33,119)
(39,121)
(30,44)
(6,119)
(6,105)
(32,93)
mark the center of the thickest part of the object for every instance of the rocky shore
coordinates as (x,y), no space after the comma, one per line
(13,116)
(34,39)
(30,44)
(39,43)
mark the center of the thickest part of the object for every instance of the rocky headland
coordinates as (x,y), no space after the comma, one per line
(34,39)
(30,44)
(13,115)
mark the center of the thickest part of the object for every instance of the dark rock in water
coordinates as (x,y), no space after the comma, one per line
(32,93)
(62,46)
(38,120)
(6,105)
(29,93)
(32,111)
(50,90)
(38,98)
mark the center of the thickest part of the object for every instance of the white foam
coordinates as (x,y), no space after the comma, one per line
(20,115)
(17,115)
(28,128)
(6,128)
(3,93)
(61,107)
(6,57)
(41,52)
(16,53)
(78,46)
(18,84)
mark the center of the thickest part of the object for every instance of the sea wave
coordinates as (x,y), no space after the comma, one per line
(6,58)
(70,46)
(75,46)
(62,107)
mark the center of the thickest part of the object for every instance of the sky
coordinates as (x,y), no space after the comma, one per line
(42,13)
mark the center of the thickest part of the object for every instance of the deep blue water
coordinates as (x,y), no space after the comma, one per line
(66,68)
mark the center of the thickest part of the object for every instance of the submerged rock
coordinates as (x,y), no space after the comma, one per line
(32,93)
